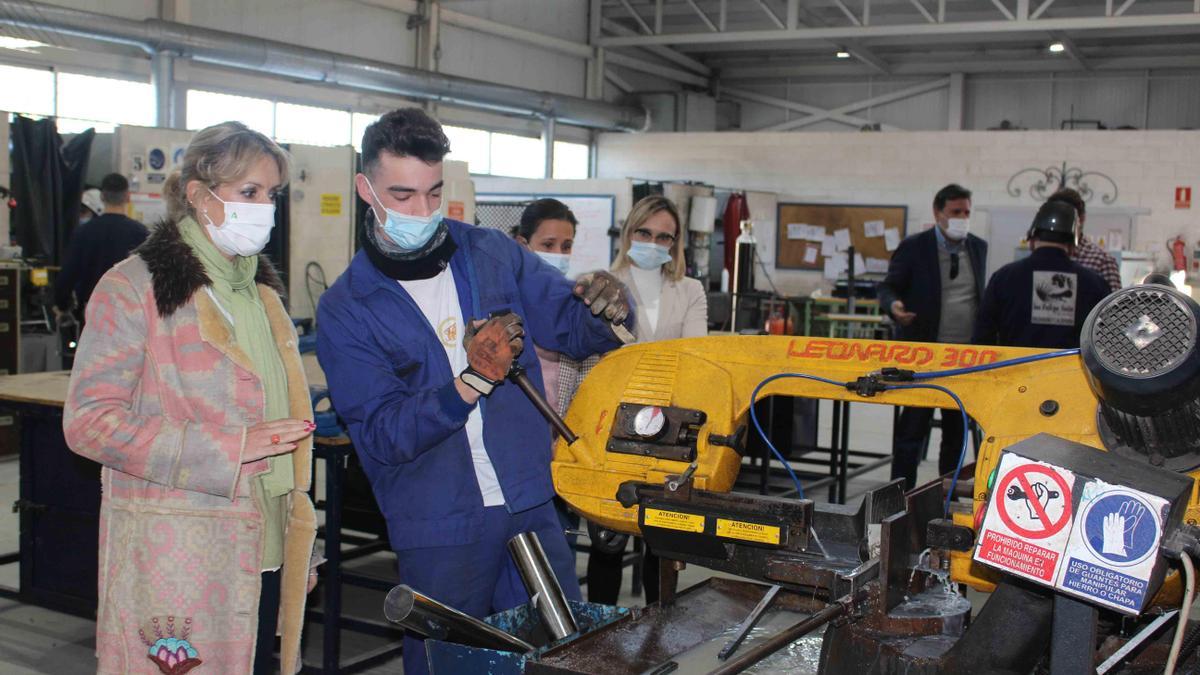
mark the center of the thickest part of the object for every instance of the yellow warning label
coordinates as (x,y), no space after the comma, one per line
(673,520)
(757,532)
(331,204)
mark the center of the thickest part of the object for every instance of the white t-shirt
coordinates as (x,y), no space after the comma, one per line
(438,299)
(649,287)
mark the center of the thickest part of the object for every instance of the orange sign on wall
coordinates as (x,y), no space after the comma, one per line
(1183,197)
(456,210)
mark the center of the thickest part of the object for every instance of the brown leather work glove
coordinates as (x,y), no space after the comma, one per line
(492,344)
(604,294)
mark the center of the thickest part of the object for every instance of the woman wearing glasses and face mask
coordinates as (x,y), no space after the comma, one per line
(651,264)
(188,389)
(669,306)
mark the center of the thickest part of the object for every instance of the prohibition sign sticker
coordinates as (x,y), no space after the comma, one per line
(1034,501)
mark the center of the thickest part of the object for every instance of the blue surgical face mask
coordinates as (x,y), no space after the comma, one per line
(408,232)
(648,256)
(559,261)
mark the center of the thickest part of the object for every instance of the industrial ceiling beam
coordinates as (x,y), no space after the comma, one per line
(776,102)
(771,14)
(924,12)
(665,52)
(666,72)
(617,81)
(1004,10)
(1041,9)
(754,39)
(1072,50)
(882,99)
(854,20)
(968,66)
(703,17)
(869,58)
(636,17)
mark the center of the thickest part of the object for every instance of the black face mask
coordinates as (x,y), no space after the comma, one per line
(430,264)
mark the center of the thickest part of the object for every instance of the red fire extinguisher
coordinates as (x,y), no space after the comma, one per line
(1178,249)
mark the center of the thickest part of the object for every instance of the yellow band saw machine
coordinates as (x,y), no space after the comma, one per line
(1078,518)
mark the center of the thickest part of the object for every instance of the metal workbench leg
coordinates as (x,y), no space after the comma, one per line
(332,628)
(638,562)
(835,433)
(845,452)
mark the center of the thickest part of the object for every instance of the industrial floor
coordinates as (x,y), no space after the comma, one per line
(36,640)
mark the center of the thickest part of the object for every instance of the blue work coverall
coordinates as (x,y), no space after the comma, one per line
(391,383)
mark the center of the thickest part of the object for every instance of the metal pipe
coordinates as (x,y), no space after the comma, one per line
(535,396)
(549,130)
(789,635)
(162,77)
(545,593)
(428,617)
(297,63)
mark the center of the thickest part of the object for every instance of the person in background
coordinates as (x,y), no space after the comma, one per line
(932,290)
(417,337)
(96,246)
(1042,300)
(1087,253)
(189,391)
(547,228)
(650,259)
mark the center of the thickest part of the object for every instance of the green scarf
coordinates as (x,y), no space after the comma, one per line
(236,293)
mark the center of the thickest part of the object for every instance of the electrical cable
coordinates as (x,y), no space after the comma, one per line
(1189,575)
(993,366)
(962,453)
(763,434)
(887,387)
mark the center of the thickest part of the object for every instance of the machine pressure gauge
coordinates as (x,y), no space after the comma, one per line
(649,422)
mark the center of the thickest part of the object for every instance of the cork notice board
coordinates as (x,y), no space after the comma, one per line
(792,252)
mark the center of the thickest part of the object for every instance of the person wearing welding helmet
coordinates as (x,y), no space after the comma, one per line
(1042,300)
(416,338)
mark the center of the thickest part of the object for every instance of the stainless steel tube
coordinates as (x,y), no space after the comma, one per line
(544,589)
(430,618)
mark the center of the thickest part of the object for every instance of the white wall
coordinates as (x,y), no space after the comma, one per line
(908,168)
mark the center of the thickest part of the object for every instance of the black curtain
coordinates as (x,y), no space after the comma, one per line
(47,181)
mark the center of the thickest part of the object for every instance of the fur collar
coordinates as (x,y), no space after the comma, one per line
(178,273)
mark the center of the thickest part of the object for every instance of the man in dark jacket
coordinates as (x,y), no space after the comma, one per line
(1042,300)
(97,245)
(416,338)
(932,291)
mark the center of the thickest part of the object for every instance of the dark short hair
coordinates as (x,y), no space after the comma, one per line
(114,189)
(540,210)
(950,193)
(1070,196)
(407,132)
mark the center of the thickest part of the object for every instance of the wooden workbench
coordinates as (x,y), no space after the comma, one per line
(51,388)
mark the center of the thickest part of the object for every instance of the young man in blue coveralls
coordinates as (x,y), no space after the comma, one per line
(415,339)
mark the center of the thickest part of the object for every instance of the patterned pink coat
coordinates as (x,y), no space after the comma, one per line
(162,397)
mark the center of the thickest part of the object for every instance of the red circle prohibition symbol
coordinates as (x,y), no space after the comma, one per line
(1020,474)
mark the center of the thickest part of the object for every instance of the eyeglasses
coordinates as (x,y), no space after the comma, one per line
(953,265)
(662,238)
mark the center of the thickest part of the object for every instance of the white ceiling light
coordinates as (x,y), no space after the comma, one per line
(18,43)
(843,55)
(1056,47)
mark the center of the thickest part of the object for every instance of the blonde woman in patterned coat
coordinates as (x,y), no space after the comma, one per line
(189,390)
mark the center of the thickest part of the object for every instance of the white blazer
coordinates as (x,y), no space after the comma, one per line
(682,309)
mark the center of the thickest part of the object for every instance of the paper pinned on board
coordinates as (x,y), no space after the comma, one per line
(831,269)
(797,231)
(842,238)
(877,265)
(810,254)
(828,245)
(891,238)
(873,228)
(860,264)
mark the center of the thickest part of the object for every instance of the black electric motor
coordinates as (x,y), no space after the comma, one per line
(1139,347)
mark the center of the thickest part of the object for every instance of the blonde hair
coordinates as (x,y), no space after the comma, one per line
(638,215)
(219,154)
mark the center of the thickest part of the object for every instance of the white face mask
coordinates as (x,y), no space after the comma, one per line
(957,228)
(559,261)
(246,230)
